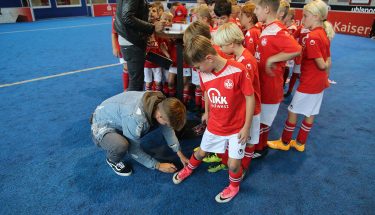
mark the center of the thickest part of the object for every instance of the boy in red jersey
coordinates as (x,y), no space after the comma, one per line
(275,47)
(230,38)
(248,20)
(316,63)
(229,108)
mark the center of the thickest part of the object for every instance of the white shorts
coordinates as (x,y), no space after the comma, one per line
(186,71)
(254,130)
(165,74)
(297,69)
(268,114)
(152,72)
(195,77)
(306,104)
(218,144)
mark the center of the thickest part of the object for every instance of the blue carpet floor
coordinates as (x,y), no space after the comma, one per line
(49,164)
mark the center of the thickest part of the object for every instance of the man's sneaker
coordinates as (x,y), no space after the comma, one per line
(178,177)
(260,153)
(120,168)
(212,158)
(297,146)
(227,194)
(278,144)
(217,168)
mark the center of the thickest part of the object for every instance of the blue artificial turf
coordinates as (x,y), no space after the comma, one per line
(49,164)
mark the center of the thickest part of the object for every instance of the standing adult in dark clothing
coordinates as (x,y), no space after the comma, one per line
(134,30)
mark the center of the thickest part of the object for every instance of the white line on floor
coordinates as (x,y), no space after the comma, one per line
(58,75)
(45,29)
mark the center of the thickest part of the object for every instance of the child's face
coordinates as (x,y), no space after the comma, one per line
(205,66)
(222,20)
(244,20)
(166,19)
(227,48)
(160,12)
(153,14)
(308,19)
(261,13)
(202,19)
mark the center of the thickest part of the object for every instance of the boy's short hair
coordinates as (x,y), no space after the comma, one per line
(272,4)
(167,13)
(175,111)
(210,2)
(194,29)
(248,9)
(204,11)
(197,50)
(228,33)
(159,5)
(223,8)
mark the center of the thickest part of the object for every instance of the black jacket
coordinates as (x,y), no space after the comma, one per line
(132,21)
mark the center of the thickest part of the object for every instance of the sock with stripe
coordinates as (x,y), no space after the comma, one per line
(304,132)
(193,162)
(125,79)
(287,132)
(172,91)
(235,178)
(158,87)
(263,138)
(246,160)
(165,88)
(148,87)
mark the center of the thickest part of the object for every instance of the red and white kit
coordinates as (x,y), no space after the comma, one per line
(151,70)
(251,39)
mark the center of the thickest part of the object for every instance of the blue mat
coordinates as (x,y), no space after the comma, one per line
(49,164)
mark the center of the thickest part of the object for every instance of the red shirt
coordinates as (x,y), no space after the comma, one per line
(180,14)
(273,40)
(116,35)
(249,61)
(153,45)
(251,39)
(221,53)
(313,80)
(172,50)
(292,28)
(226,92)
(300,36)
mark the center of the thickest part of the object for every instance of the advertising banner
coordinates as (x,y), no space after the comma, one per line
(347,22)
(19,14)
(103,9)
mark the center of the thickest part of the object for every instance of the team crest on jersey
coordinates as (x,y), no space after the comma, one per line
(312,42)
(228,84)
(264,42)
(216,100)
(248,66)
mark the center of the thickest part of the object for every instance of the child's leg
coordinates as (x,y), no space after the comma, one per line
(305,130)
(157,78)
(125,76)
(148,78)
(171,84)
(195,160)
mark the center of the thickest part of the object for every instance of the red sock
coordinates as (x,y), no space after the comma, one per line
(165,88)
(246,160)
(259,146)
(172,92)
(157,87)
(235,178)
(125,79)
(292,82)
(193,162)
(264,135)
(148,87)
(153,86)
(304,132)
(186,97)
(224,157)
(288,132)
(198,97)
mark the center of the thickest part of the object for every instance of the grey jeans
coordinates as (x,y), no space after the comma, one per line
(114,144)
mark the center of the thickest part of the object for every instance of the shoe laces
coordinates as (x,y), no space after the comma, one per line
(184,172)
(120,165)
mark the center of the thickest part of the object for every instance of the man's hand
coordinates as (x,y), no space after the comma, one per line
(167,167)
(183,159)
(159,26)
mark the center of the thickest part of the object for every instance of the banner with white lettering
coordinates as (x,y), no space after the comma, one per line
(347,22)
(103,9)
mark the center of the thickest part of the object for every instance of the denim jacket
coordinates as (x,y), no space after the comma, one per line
(125,112)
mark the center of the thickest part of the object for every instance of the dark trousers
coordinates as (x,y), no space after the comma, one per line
(135,58)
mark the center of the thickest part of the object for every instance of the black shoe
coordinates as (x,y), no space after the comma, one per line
(120,168)
(260,153)
(287,94)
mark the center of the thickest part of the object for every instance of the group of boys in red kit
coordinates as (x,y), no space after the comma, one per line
(239,69)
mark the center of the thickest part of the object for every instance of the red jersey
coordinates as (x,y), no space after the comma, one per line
(273,40)
(249,61)
(300,36)
(221,53)
(226,92)
(180,14)
(251,39)
(172,50)
(313,80)
(116,35)
(153,45)
(236,21)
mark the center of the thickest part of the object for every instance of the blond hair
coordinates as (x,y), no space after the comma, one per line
(248,9)
(228,33)
(272,4)
(204,11)
(194,29)
(198,49)
(175,111)
(283,9)
(167,14)
(320,9)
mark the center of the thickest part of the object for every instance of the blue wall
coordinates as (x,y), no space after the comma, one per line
(10,3)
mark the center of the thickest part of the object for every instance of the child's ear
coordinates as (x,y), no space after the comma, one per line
(209,58)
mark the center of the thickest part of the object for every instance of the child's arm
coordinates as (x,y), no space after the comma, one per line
(243,135)
(164,49)
(206,110)
(115,50)
(282,56)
